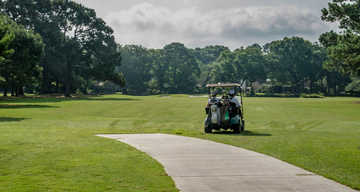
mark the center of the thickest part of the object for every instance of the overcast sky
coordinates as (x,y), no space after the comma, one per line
(198,23)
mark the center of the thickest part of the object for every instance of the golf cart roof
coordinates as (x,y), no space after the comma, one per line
(223,85)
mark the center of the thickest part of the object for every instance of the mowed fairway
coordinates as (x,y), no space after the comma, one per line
(48,144)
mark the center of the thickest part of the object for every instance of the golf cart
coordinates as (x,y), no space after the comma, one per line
(224,111)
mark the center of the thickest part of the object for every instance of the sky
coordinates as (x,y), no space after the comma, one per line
(199,23)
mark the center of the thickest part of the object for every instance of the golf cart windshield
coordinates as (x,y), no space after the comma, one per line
(223,88)
(223,85)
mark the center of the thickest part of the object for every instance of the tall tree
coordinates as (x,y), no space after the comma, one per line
(346,48)
(77,41)
(206,58)
(159,81)
(20,67)
(242,65)
(6,37)
(293,59)
(315,71)
(336,77)
(225,69)
(182,68)
(136,65)
(252,63)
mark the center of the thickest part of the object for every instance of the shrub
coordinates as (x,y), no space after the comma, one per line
(313,95)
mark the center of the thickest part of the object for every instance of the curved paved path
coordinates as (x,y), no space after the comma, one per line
(198,165)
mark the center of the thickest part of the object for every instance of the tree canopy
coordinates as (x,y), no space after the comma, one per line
(21,51)
(343,48)
(80,47)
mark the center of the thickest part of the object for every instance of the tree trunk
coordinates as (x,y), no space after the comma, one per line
(12,91)
(68,79)
(335,84)
(16,92)
(67,90)
(5,91)
(46,84)
(252,89)
(57,86)
(20,91)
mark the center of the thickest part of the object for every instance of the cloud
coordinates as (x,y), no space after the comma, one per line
(154,26)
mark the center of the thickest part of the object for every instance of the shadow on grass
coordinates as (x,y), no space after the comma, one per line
(11,119)
(244,133)
(54,99)
(11,106)
(105,99)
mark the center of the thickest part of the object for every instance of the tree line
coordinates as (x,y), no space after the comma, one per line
(59,46)
(292,65)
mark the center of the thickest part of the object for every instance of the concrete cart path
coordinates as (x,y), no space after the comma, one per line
(198,165)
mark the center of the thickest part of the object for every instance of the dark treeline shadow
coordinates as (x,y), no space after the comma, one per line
(19,106)
(244,133)
(105,99)
(51,99)
(11,119)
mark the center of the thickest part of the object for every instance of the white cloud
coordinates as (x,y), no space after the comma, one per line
(155,26)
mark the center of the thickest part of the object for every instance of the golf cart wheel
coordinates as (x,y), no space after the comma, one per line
(236,129)
(208,129)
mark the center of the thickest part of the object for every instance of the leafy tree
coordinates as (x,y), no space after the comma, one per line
(225,69)
(315,71)
(251,61)
(208,54)
(354,86)
(136,66)
(206,58)
(336,77)
(78,43)
(22,66)
(89,43)
(346,47)
(241,65)
(6,37)
(158,82)
(293,58)
(28,49)
(182,68)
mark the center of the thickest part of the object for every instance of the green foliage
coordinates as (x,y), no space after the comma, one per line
(6,37)
(28,49)
(343,48)
(295,60)
(136,65)
(293,65)
(78,43)
(244,64)
(208,54)
(313,95)
(354,86)
(172,69)
(23,50)
(181,69)
(206,58)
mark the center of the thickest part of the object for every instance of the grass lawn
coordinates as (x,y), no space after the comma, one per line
(48,144)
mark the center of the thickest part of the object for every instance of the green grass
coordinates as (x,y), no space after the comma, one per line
(48,144)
